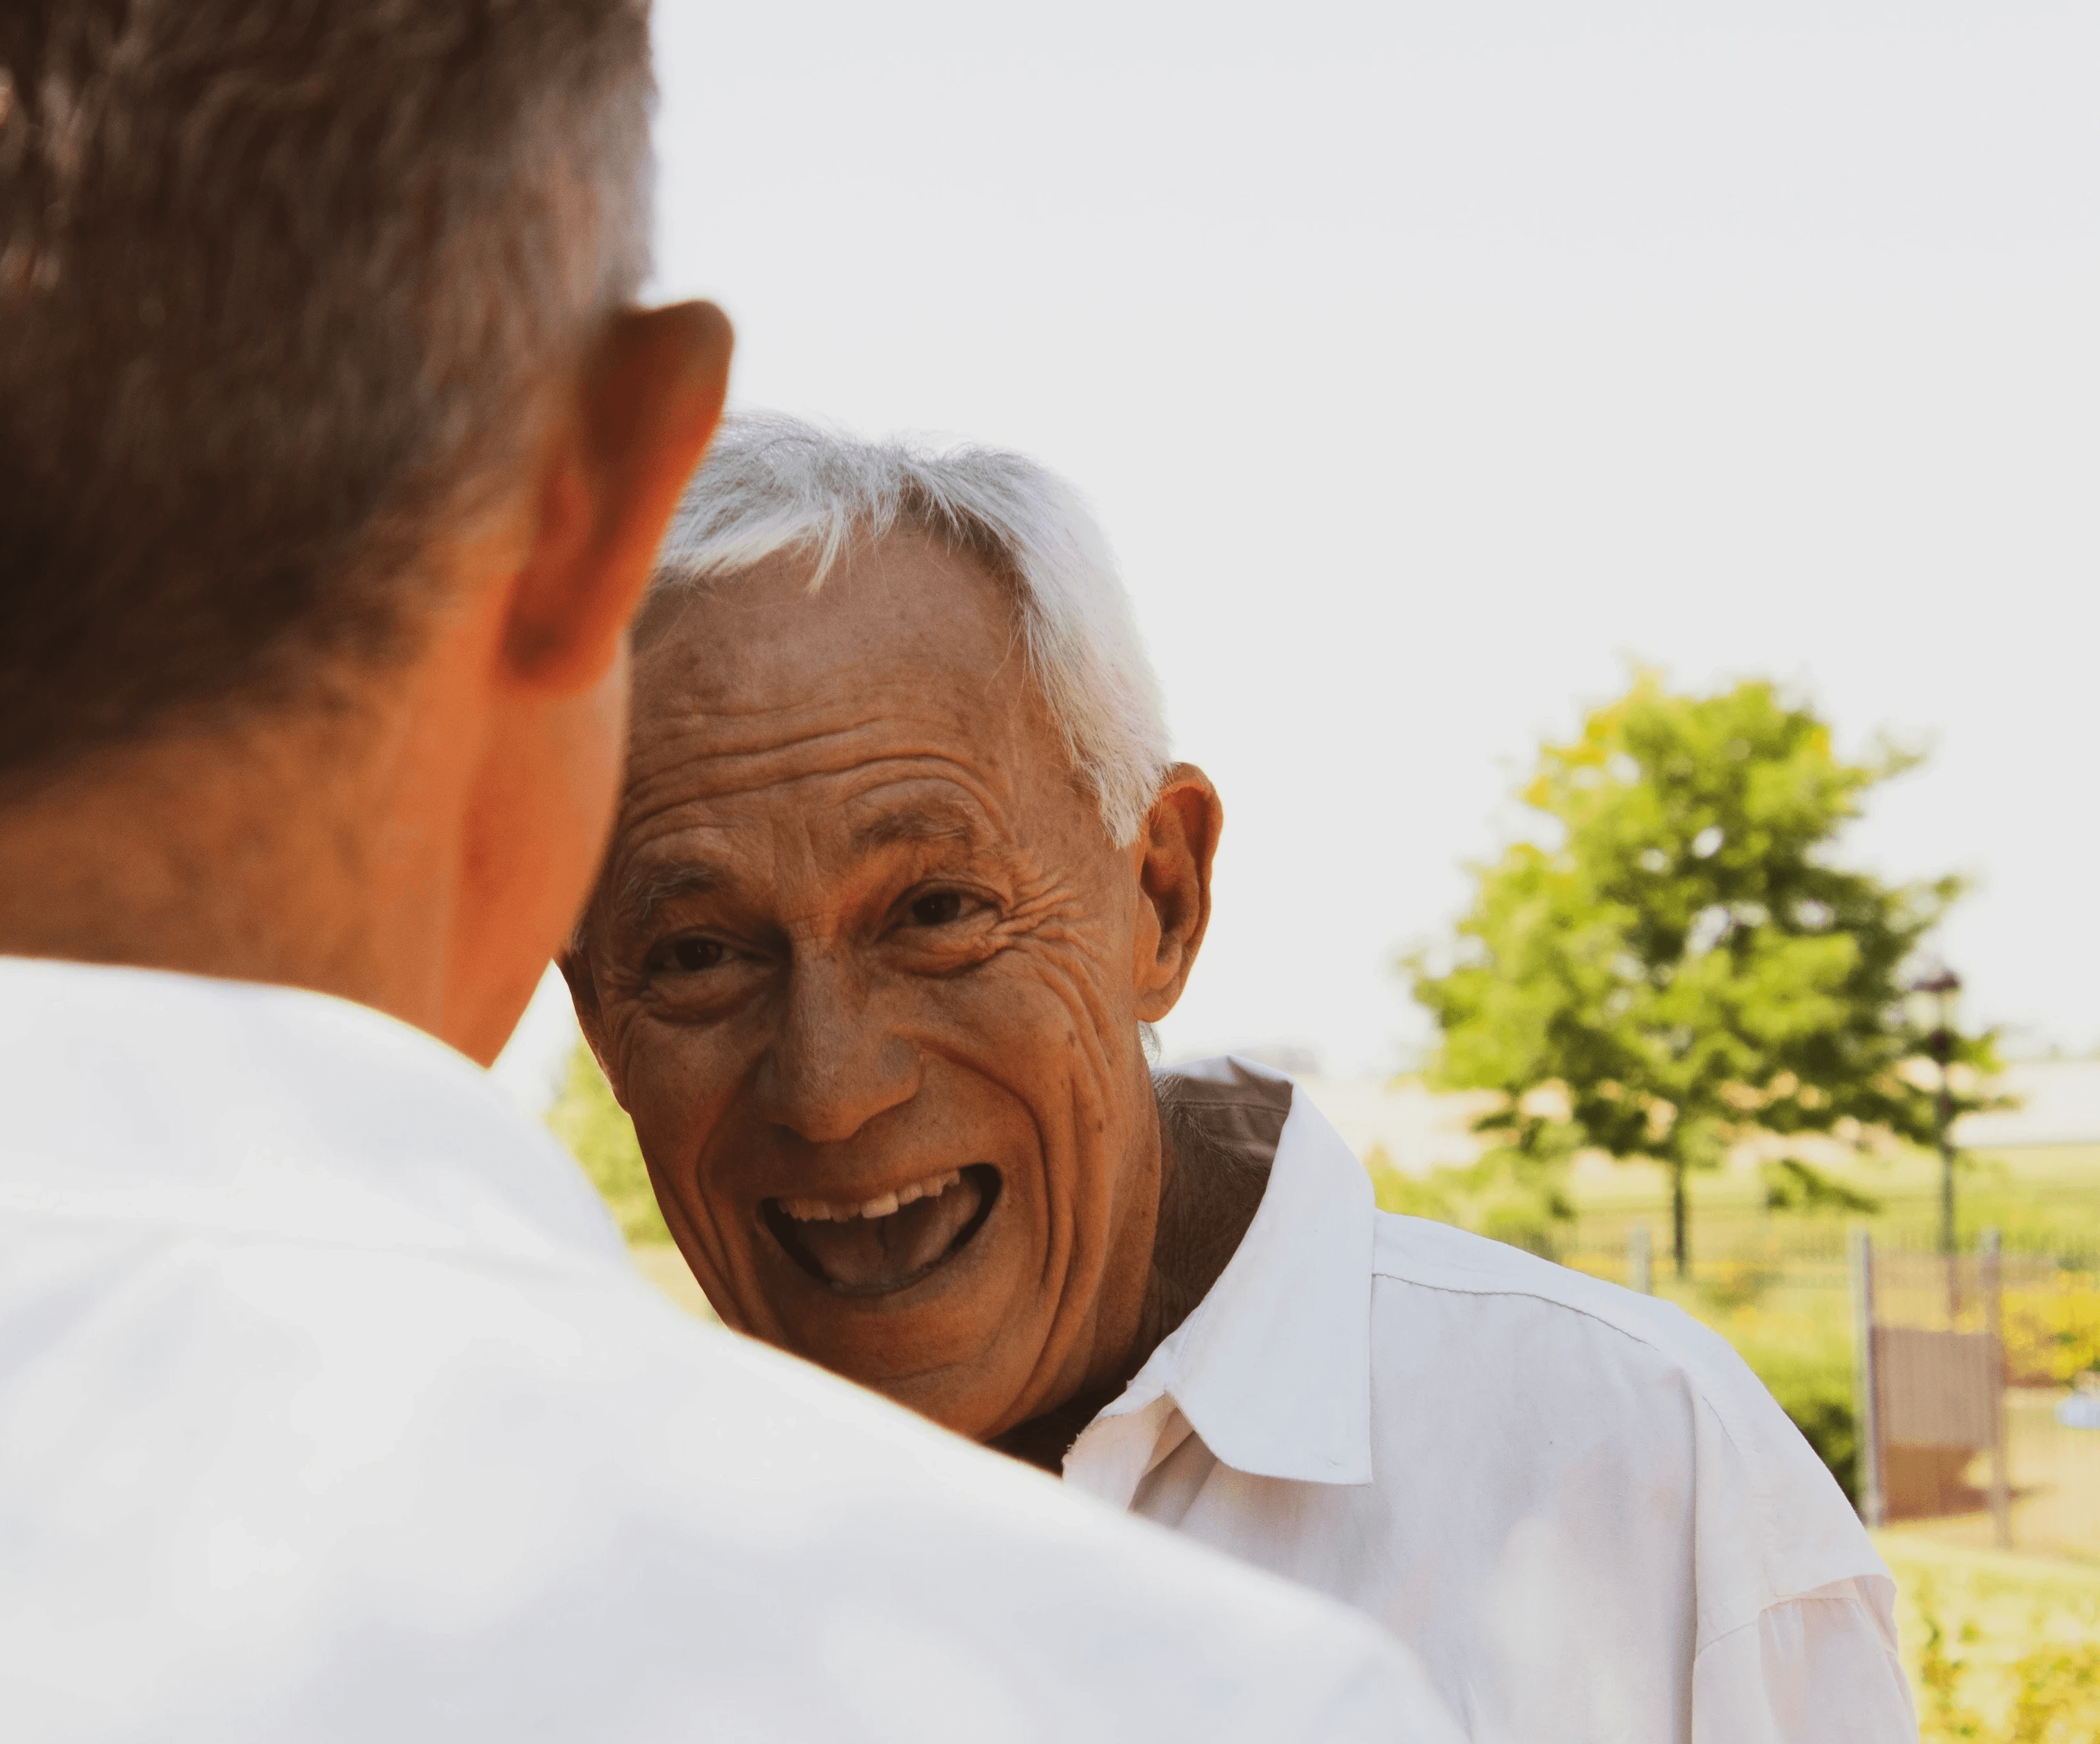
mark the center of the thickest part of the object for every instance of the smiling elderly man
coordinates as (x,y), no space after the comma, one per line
(900,872)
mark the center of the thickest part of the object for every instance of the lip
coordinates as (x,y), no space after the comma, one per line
(784,1230)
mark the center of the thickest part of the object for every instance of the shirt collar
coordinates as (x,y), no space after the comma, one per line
(1272,1369)
(274,1113)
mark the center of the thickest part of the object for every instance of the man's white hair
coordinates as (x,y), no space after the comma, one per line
(773,484)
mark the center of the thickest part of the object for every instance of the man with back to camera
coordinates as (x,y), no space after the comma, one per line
(901,869)
(333,455)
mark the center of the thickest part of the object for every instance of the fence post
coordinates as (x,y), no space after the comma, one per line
(1640,1259)
(1866,1426)
(1987,1264)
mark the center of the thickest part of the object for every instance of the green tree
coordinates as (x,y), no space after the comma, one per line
(1680,961)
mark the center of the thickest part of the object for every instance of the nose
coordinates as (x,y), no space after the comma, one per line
(833,1065)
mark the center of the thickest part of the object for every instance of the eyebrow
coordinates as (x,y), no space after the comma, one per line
(915,823)
(648,888)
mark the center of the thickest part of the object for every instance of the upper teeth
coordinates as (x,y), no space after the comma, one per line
(831,1211)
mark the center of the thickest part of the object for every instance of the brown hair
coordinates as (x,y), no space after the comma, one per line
(279,280)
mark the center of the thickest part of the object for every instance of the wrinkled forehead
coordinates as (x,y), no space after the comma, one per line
(908,559)
(899,686)
(905,621)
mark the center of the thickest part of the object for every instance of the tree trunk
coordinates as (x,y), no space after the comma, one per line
(1680,1235)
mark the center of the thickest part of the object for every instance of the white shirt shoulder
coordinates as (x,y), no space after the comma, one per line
(330,1409)
(1655,1536)
(1576,1505)
(1639,1375)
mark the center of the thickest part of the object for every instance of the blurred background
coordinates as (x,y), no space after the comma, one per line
(1434,368)
(1429,364)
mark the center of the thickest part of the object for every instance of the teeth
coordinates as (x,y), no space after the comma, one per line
(831,1211)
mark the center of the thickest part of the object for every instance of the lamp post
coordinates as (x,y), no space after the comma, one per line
(1935,998)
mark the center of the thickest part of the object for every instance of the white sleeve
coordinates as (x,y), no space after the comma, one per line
(1819,1669)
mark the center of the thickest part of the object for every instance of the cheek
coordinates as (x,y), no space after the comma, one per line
(1052,1032)
(1060,1012)
(679,1087)
(1054,1037)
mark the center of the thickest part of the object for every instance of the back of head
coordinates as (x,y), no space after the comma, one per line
(773,483)
(279,280)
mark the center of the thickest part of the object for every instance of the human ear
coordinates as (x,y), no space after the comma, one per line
(1173,854)
(649,399)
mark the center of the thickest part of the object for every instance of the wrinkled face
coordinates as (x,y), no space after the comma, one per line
(867,972)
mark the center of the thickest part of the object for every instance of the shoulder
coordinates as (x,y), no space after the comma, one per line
(889,1573)
(1546,1311)
(616,1519)
(1078,1610)
(1435,1256)
(1614,1382)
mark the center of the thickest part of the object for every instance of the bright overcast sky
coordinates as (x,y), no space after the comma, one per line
(1428,365)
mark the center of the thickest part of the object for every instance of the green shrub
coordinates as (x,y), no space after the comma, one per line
(2053,1333)
(1484,1198)
(1521,1224)
(592,1123)
(1728,1284)
(1408,1195)
(1976,1682)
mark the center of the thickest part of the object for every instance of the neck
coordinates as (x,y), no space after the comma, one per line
(1208,1195)
(264,856)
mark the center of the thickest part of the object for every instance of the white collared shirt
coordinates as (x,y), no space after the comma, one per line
(330,1409)
(1576,1503)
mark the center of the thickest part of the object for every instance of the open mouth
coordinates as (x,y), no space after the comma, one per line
(889,1243)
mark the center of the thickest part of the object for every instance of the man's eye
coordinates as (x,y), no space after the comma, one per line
(690,956)
(937,909)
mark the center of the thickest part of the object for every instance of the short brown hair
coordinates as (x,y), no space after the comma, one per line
(279,281)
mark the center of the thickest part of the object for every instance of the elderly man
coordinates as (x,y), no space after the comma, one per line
(901,870)
(332,456)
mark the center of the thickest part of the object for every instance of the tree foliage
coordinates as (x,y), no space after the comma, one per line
(1681,960)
